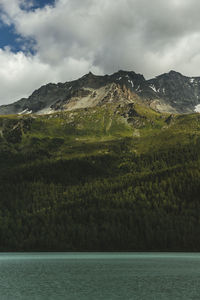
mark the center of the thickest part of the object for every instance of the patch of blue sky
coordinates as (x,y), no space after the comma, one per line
(9,38)
(34,4)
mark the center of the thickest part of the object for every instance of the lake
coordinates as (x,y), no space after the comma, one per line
(99,276)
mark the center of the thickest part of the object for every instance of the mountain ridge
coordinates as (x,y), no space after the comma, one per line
(169,92)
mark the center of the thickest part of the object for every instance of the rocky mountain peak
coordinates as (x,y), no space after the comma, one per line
(174,73)
(171,92)
(88,75)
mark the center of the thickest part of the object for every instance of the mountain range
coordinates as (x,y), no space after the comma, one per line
(170,92)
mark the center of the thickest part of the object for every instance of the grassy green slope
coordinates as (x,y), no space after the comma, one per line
(104,178)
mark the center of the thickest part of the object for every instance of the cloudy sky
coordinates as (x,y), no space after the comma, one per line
(45,41)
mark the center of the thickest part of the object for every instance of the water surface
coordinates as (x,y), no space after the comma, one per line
(99,276)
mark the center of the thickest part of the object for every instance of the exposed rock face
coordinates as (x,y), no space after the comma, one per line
(180,92)
(170,92)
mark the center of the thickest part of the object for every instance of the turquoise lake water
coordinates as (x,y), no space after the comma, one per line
(99,276)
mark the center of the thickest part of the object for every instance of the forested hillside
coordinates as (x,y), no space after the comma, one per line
(112,178)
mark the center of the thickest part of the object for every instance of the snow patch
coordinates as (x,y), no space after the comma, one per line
(197,108)
(119,78)
(25,111)
(138,88)
(131,82)
(29,112)
(194,81)
(152,86)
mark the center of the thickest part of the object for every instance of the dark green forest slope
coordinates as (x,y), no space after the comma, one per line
(119,178)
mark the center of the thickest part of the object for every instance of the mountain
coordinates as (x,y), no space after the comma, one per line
(170,92)
(180,92)
(111,169)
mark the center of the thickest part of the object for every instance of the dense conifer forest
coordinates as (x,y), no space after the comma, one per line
(91,180)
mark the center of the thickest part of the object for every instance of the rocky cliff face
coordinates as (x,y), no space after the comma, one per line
(180,92)
(170,92)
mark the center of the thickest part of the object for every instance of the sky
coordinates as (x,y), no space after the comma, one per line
(44,41)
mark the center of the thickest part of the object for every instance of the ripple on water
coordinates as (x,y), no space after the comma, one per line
(107,276)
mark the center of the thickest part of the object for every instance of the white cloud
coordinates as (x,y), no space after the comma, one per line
(20,74)
(75,36)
